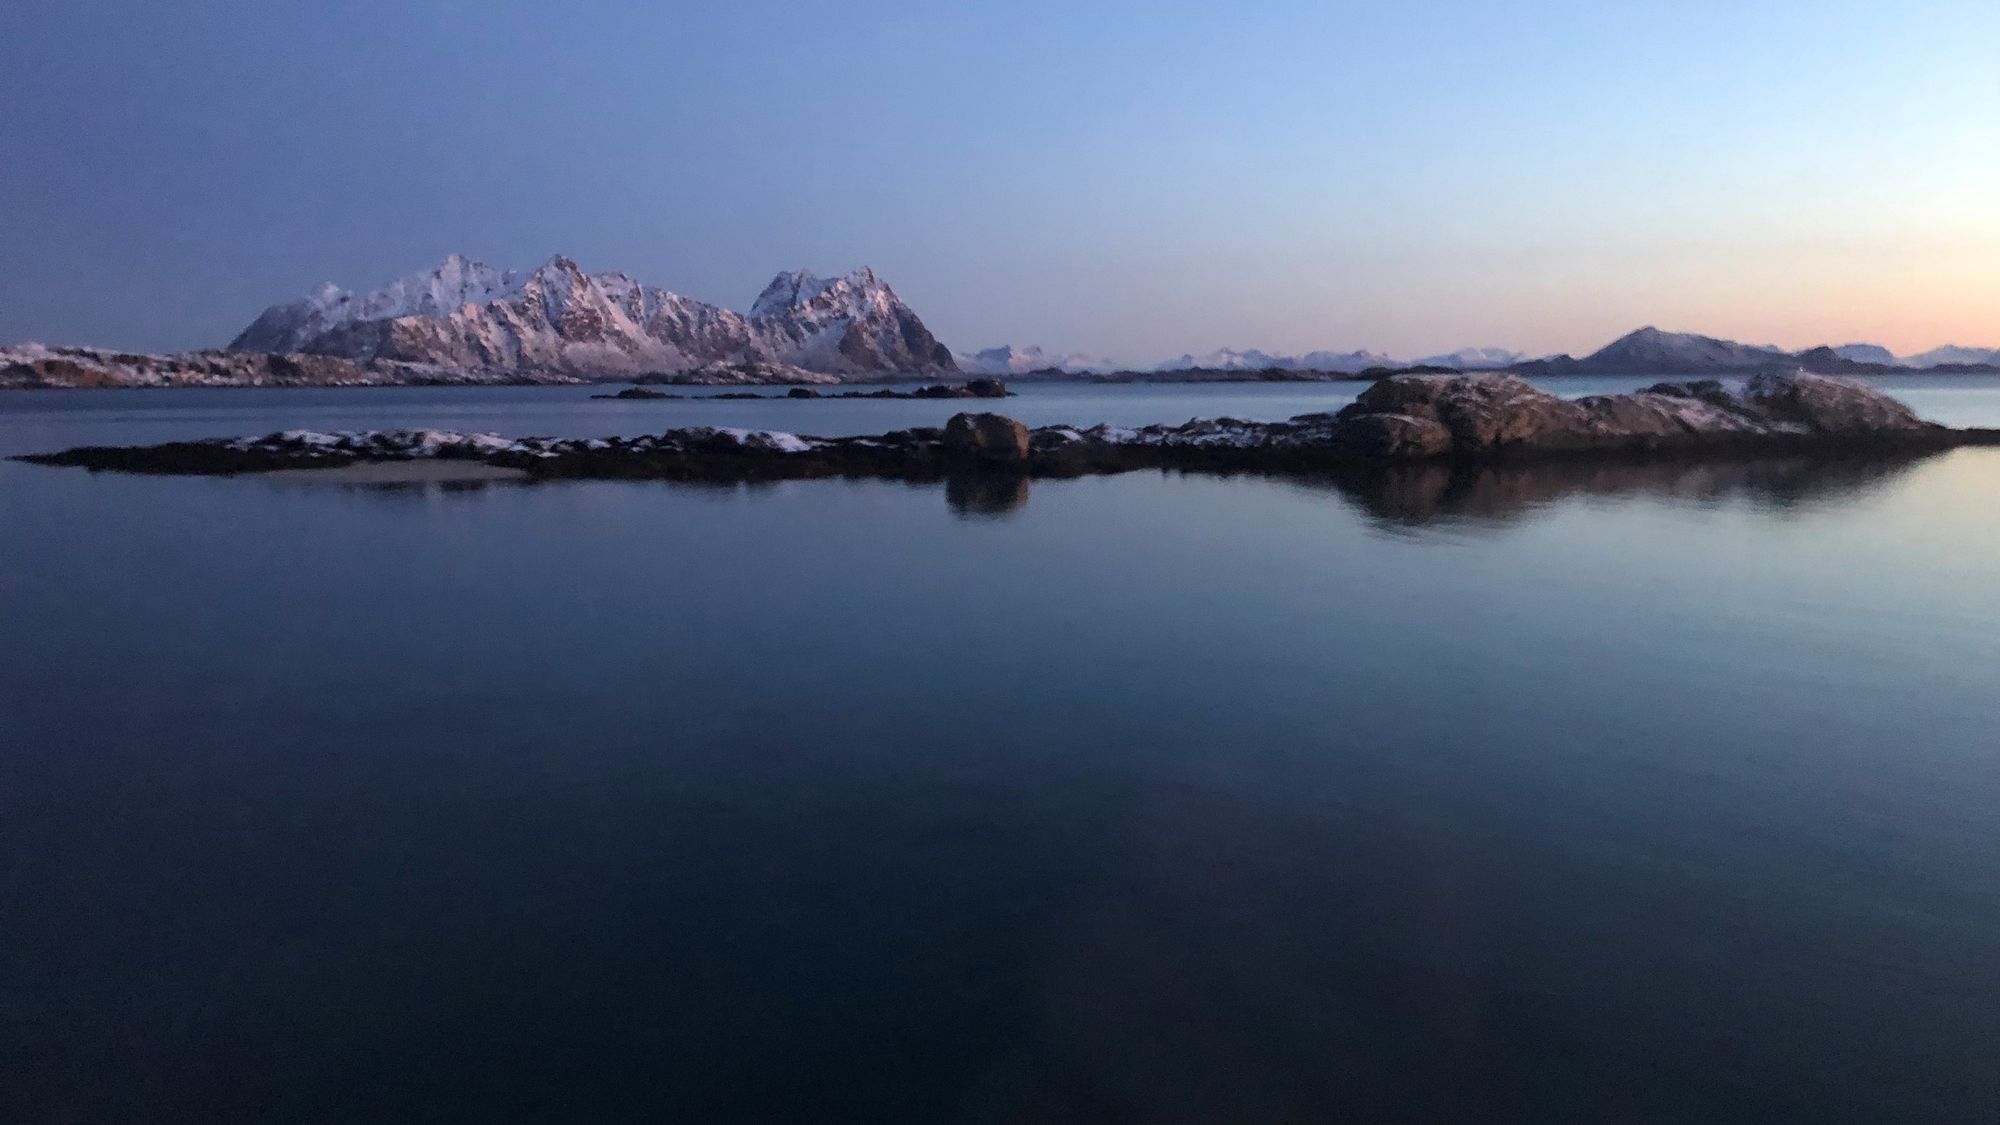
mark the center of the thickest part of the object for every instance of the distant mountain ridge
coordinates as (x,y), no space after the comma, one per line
(1647,351)
(1251,359)
(1472,359)
(1650,351)
(467,315)
(1010,360)
(1953,355)
(1867,353)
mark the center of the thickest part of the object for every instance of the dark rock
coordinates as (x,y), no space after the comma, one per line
(985,496)
(1707,390)
(1395,436)
(1828,405)
(639,392)
(992,438)
(1479,411)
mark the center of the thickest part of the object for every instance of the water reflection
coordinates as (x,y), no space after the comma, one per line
(986,496)
(1418,496)
(1413,496)
(401,490)
(1423,495)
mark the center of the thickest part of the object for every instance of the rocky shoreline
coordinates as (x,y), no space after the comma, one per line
(35,367)
(1410,419)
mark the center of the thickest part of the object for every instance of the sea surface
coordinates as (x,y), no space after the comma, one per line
(1640,794)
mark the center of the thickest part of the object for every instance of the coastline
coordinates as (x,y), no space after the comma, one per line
(1397,421)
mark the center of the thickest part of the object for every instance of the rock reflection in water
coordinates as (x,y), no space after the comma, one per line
(986,496)
(1420,495)
(407,489)
(1412,496)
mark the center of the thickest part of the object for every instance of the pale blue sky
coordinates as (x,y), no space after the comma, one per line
(1133,179)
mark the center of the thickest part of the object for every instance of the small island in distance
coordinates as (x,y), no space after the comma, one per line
(468,323)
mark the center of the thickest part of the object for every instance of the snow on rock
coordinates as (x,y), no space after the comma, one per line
(775,441)
(750,374)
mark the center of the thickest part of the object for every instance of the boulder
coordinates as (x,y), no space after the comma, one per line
(993,438)
(1482,412)
(1826,404)
(1391,435)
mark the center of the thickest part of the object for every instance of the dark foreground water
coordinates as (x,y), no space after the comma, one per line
(1663,794)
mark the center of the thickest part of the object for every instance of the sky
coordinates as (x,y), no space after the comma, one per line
(1133,180)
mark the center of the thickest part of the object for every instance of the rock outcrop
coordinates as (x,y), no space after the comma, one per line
(990,438)
(1399,421)
(1492,415)
(746,373)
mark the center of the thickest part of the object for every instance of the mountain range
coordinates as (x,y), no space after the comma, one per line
(1010,360)
(467,322)
(470,316)
(1021,362)
(1650,351)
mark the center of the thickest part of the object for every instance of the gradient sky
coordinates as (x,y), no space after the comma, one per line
(1129,179)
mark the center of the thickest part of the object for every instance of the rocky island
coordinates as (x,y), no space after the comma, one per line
(1405,419)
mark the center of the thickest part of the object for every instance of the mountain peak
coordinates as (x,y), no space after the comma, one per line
(327,295)
(796,288)
(559,264)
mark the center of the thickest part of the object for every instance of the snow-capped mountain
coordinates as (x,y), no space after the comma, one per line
(1472,359)
(1649,351)
(1346,363)
(1227,359)
(1251,359)
(1953,353)
(1010,360)
(467,315)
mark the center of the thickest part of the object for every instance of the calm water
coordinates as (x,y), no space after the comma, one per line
(1610,795)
